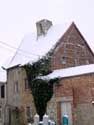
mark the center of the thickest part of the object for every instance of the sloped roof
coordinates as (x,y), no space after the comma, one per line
(35,47)
(3,75)
(69,72)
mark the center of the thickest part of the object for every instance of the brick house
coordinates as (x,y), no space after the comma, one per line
(74,96)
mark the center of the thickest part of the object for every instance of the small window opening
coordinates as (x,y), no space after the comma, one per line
(26,84)
(63,60)
(16,87)
(0,113)
(2,91)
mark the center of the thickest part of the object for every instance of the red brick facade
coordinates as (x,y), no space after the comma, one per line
(81,89)
(72,50)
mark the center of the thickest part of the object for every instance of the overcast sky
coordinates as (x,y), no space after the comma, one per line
(18,17)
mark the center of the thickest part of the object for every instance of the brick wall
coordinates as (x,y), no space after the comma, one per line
(72,48)
(80,88)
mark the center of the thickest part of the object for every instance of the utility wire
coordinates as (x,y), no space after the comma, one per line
(16,52)
(18,48)
(20,52)
(6,48)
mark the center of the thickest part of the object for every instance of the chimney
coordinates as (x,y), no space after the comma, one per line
(43,26)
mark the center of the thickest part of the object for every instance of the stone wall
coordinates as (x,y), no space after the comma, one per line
(52,109)
(22,99)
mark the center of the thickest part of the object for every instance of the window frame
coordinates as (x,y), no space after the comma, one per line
(26,84)
(16,87)
(2,89)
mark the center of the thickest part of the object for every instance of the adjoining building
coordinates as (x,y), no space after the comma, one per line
(3,97)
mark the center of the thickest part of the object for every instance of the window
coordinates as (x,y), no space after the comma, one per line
(76,62)
(28,114)
(0,113)
(26,84)
(2,91)
(16,87)
(87,61)
(63,60)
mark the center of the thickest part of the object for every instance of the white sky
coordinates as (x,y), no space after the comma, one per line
(18,17)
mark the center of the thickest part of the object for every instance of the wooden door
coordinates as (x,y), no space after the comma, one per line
(66,109)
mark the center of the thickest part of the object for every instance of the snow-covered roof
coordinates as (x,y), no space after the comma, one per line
(33,48)
(3,76)
(69,72)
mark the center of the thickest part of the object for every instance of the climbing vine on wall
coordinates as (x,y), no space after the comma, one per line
(42,89)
